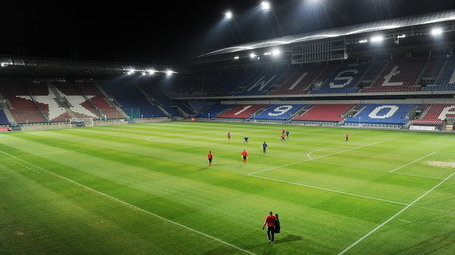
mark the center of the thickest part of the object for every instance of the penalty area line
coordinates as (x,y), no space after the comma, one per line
(129,205)
(394,216)
(412,162)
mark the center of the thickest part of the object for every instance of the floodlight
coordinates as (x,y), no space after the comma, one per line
(131,71)
(267,53)
(151,71)
(236,57)
(265,5)
(144,73)
(437,31)
(363,41)
(401,36)
(169,72)
(276,52)
(252,55)
(3,64)
(228,15)
(377,38)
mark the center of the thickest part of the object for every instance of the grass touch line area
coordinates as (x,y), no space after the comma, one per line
(126,203)
(394,216)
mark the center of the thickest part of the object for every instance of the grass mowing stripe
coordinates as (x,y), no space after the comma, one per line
(412,162)
(324,156)
(128,204)
(330,190)
(394,216)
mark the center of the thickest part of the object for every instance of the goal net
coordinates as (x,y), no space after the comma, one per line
(81,122)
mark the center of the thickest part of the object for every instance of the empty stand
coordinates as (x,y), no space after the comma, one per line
(436,114)
(393,114)
(447,78)
(398,76)
(279,112)
(241,111)
(298,81)
(343,80)
(324,112)
(3,118)
(215,110)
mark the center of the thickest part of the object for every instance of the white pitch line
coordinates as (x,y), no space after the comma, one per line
(394,216)
(416,175)
(324,156)
(129,205)
(330,190)
(410,163)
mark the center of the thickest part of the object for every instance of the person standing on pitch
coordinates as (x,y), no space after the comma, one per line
(245,139)
(277,224)
(287,133)
(264,147)
(210,157)
(346,137)
(270,221)
(244,156)
(229,136)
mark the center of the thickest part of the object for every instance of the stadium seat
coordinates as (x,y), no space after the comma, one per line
(435,114)
(324,112)
(278,112)
(3,118)
(398,76)
(241,111)
(447,78)
(394,114)
(343,80)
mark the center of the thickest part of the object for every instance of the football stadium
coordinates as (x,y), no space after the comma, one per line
(335,139)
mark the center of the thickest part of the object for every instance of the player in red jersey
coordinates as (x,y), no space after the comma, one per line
(210,157)
(229,136)
(270,221)
(244,156)
(283,137)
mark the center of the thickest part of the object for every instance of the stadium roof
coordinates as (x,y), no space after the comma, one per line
(389,24)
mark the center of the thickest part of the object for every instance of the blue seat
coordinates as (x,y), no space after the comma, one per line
(393,114)
(279,112)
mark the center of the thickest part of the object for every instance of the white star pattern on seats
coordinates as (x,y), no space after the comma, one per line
(55,110)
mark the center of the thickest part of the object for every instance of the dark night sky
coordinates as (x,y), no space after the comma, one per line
(167,32)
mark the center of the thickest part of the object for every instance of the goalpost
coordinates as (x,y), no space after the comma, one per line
(81,122)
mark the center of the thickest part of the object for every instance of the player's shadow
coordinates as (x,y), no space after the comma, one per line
(288,238)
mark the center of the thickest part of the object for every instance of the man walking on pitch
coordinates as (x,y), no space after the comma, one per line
(210,157)
(270,221)
(244,156)
(264,147)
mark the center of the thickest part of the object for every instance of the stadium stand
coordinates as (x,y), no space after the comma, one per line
(3,119)
(398,76)
(132,101)
(324,112)
(241,111)
(215,110)
(99,101)
(261,83)
(23,109)
(393,114)
(297,81)
(447,78)
(343,80)
(435,114)
(279,112)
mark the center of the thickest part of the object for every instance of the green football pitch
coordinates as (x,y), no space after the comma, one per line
(147,189)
